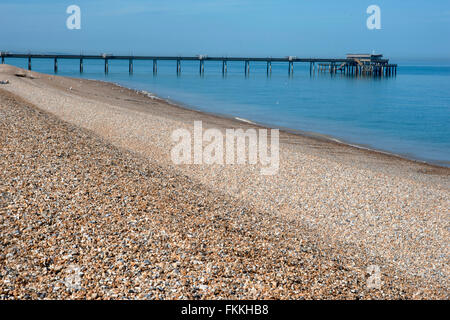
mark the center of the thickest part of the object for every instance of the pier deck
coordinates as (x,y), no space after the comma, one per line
(352,64)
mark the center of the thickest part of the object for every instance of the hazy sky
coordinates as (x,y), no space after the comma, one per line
(410,29)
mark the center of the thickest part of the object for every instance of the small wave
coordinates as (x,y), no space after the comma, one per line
(244,120)
(151,95)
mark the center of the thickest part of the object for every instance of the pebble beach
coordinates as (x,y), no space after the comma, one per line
(91,207)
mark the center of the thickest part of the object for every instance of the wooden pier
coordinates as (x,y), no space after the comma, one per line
(362,65)
(352,65)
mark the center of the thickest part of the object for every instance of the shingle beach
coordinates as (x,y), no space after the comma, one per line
(92,207)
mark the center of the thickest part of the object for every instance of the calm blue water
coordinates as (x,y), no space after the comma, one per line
(407,115)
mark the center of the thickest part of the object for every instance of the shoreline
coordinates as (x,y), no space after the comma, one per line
(318,137)
(428,166)
(299,132)
(364,204)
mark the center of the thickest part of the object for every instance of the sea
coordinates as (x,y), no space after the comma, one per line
(407,114)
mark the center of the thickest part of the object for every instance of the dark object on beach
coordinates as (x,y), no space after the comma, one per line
(4,81)
(24,75)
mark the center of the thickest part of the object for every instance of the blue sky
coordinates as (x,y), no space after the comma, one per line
(410,29)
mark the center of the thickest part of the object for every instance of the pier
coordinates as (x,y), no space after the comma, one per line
(373,65)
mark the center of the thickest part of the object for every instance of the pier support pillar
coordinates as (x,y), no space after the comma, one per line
(178,67)
(55,65)
(291,68)
(202,67)
(247,67)
(29,63)
(269,68)
(106,66)
(224,67)
(130,66)
(155,67)
(81,65)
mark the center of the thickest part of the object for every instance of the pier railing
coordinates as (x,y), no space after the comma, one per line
(349,66)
